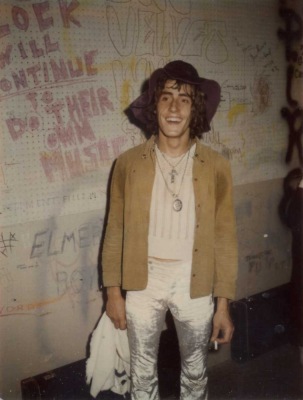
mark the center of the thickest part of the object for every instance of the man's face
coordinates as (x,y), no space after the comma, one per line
(174,110)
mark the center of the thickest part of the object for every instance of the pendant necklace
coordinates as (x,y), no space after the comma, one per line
(173,173)
(177,203)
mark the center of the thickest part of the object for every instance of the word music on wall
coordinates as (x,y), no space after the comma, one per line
(292,36)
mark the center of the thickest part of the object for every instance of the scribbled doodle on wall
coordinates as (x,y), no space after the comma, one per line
(61,257)
(292,36)
(264,260)
(165,31)
(261,94)
(7,243)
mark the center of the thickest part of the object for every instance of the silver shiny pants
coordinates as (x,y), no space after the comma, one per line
(168,288)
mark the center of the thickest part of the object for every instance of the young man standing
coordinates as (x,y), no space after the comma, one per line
(170,240)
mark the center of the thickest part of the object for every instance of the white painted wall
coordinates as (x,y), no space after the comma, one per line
(67,72)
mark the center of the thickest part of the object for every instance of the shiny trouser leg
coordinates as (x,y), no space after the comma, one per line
(168,288)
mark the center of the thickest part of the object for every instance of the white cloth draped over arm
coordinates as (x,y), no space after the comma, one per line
(108,366)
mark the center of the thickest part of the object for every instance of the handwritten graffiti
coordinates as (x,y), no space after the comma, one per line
(68,283)
(30,308)
(76,281)
(27,266)
(54,71)
(64,165)
(22,19)
(260,54)
(50,243)
(73,146)
(148,31)
(261,95)
(213,138)
(54,201)
(6,279)
(264,260)
(80,107)
(293,114)
(7,243)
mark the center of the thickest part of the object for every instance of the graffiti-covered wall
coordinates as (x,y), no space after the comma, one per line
(68,69)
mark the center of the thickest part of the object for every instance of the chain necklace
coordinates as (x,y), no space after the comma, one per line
(173,173)
(177,203)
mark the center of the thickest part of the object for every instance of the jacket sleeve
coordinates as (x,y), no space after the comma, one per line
(113,240)
(226,249)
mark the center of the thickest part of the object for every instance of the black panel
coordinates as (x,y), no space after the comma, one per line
(262,322)
(67,382)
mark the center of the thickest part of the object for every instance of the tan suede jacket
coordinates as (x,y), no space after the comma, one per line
(125,249)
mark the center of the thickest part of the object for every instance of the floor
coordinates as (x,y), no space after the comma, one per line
(274,375)
(277,374)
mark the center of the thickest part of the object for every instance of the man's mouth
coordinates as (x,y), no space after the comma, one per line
(173,119)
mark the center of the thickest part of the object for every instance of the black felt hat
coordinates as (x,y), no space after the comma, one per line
(184,72)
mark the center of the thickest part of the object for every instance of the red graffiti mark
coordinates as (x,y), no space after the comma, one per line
(81,107)
(59,70)
(16,127)
(5,57)
(74,163)
(34,48)
(32,97)
(66,11)
(89,61)
(4,30)
(88,103)
(40,9)
(63,165)
(33,123)
(53,164)
(85,103)
(78,71)
(55,109)
(21,17)
(75,132)
(55,70)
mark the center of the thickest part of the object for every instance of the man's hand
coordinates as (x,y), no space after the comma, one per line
(115,307)
(223,326)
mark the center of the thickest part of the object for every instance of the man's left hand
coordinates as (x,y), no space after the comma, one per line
(223,326)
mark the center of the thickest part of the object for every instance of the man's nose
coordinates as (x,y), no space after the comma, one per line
(173,105)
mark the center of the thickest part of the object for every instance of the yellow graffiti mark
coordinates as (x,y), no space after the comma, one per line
(234,112)
(42,303)
(125,94)
(22,309)
(126,86)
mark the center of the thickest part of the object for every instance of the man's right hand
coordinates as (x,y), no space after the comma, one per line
(115,307)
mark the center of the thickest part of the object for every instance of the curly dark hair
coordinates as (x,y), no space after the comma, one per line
(198,122)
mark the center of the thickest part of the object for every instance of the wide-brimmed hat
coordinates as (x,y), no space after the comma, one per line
(184,72)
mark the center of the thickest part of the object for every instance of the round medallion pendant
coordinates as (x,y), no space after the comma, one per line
(177,205)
